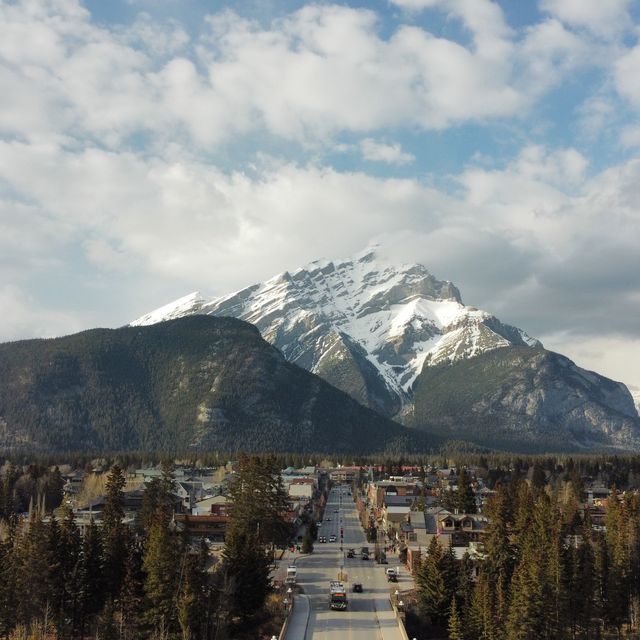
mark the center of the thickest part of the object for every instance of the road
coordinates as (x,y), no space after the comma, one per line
(369,615)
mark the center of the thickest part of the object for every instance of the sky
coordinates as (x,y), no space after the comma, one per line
(150,148)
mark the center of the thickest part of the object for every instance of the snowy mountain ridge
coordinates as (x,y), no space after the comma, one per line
(365,325)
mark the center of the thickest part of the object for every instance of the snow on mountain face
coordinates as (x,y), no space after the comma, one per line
(635,394)
(365,325)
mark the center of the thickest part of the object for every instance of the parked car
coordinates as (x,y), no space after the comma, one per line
(351,553)
(357,587)
(332,537)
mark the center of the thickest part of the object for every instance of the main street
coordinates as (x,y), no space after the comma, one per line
(369,614)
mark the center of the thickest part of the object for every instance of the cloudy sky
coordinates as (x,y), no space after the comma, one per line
(149,148)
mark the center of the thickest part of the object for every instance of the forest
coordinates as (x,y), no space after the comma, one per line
(110,581)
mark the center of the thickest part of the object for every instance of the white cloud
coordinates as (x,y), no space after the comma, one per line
(381,152)
(318,71)
(627,75)
(602,17)
(22,317)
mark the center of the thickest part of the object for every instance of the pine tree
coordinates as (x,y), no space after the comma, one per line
(70,561)
(307,542)
(132,595)
(259,500)
(465,500)
(8,561)
(32,569)
(55,573)
(432,591)
(192,612)
(525,620)
(107,629)
(481,625)
(161,564)
(246,569)
(455,625)
(90,578)
(114,532)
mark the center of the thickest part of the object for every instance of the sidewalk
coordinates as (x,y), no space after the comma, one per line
(299,620)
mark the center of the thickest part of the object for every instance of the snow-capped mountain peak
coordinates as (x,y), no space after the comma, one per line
(364,324)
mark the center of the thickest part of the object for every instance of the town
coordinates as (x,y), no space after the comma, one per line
(445,550)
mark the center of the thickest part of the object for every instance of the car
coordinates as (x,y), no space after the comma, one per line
(351,553)
(332,537)
(357,587)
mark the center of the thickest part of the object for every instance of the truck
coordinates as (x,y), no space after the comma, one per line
(292,572)
(337,595)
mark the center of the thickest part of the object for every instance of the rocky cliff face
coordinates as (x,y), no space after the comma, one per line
(526,399)
(366,326)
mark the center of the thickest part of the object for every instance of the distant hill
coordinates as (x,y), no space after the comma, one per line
(196,383)
(525,399)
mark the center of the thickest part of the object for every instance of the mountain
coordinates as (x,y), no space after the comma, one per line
(525,399)
(196,383)
(365,325)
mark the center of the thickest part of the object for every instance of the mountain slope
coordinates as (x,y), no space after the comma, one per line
(525,400)
(193,383)
(365,325)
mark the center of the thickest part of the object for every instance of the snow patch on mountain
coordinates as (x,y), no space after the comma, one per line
(635,394)
(185,306)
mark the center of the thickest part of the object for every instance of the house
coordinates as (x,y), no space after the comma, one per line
(394,516)
(216,505)
(344,474)
(302,488)
(210,526)
(457,530)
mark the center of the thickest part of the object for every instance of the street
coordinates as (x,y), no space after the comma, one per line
(369,614)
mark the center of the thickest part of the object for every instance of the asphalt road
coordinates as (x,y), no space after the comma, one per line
(369,615)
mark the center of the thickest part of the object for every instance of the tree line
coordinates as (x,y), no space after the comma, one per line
(115,582)
(544,572)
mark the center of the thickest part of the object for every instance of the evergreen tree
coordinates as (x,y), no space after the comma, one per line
(114,532)
(32,569)
(307,542)
(70,561)
(260,501)
(246,568)
(8,586)
(481,624)
(192,614)
(455,624)
(432,590)
(161,564)
(132,595)
(55,573)
(90,578)
(465,500)
(107,629)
